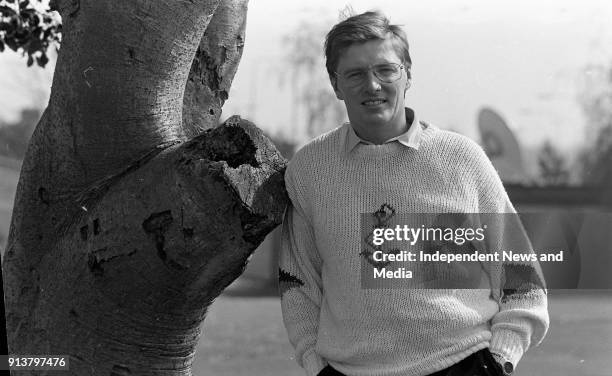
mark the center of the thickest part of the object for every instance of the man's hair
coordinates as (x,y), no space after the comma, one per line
(362,28)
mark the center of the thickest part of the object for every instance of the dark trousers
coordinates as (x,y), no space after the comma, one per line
(480,363)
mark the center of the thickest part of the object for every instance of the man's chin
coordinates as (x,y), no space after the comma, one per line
(377,118)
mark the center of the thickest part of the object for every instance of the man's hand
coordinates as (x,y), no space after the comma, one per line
(505,368)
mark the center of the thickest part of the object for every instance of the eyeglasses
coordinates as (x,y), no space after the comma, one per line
(386,73)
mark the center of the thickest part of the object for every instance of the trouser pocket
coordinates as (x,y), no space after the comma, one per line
(480,363)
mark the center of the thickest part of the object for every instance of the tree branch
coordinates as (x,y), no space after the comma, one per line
(214,67)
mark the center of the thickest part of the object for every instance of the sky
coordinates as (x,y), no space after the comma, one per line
(524,59)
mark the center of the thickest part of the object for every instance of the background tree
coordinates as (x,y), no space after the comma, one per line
(124,229)
(315,106)
(552,165)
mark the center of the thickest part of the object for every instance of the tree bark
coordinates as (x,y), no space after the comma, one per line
(123,232)
(214,67)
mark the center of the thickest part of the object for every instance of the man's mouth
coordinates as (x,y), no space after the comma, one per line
(373,102)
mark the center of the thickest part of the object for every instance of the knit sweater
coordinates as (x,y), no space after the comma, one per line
(331,319)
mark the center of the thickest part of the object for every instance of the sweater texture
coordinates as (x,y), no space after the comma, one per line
(331,319)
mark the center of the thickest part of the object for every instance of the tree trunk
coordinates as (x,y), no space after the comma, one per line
(123,232)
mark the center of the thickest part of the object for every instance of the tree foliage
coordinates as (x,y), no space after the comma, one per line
(31,27)
(553,166)
(314,102)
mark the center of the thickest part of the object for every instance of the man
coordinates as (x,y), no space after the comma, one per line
(384,161)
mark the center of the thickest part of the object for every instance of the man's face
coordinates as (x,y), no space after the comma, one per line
(375,108)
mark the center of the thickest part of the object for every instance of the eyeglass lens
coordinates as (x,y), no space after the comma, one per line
(384,72)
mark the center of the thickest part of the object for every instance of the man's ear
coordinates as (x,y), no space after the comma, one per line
(408,83)
(334,83)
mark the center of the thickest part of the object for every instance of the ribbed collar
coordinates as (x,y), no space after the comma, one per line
(411,138)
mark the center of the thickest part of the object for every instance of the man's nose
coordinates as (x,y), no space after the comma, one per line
(372,83)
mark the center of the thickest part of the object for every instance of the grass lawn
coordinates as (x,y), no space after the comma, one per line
(245,336)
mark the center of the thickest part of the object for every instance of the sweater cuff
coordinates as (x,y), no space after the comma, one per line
(508,345)
(313,363)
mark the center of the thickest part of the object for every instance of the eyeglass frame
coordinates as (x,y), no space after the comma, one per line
(370,68)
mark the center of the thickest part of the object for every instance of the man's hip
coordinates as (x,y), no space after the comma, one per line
(480,363)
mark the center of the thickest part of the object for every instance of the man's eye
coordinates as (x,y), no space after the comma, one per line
(354,76)
(385,70)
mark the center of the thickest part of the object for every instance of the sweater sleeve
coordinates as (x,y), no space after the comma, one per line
(300,282)
(522,320)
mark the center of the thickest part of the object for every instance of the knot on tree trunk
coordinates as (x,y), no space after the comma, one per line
(238,155)
(229,143)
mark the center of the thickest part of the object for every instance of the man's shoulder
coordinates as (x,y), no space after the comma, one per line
(306,163)
(458,153)
(449,141)
(320,148)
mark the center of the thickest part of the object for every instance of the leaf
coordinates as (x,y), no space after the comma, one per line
(27,11)
(42,60)
(9,27)
(7,11)
(30,61)
(34,45)
(37,33)
(12,44)
(30,16)
(1,46)
(21,35)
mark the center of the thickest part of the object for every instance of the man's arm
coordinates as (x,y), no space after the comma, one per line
(518,287)
(300,283)
(522,320)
